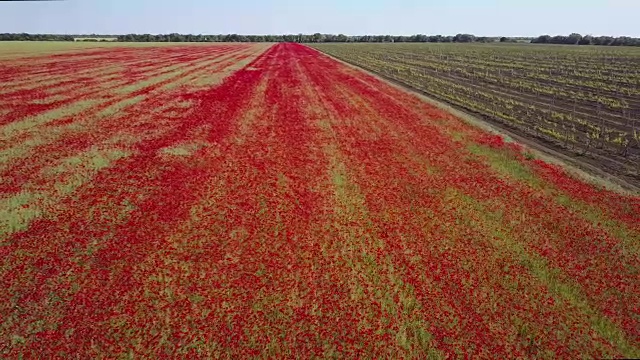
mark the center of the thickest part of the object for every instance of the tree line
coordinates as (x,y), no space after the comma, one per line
(577,39)
(303,38)
(300,38)
(572,39)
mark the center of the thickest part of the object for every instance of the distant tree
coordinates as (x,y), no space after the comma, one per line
(623,41)
(485,39)
(577,39)
(128,38)
(231,38)
(602,40)
(543,39)
(586,40)
(559,39)
(418,38)
(341,38)
(464,38)
(256,38)
(573,39)
(317,38)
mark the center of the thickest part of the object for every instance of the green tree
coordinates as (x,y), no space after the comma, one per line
(574,39)
(317,38)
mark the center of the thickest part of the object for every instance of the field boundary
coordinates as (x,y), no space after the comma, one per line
(576,167)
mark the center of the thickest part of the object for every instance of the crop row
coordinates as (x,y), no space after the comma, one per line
(610,81)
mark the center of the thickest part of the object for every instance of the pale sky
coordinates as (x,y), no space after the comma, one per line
(355,17)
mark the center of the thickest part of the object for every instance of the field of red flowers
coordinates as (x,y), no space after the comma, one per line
(234,201)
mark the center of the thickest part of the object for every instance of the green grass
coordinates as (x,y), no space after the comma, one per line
(507,166)
(119,106)
(169,72)
(19,127)
(630,239)
(17,212)
(381,278)
(185,149)
(14,49)
(506,242)
(107,73)
(40,136)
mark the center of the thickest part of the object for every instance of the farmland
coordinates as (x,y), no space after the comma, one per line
(268,201)
(583,101)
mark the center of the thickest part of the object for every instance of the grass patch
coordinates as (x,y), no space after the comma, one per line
(17,212)
(171,71)
(381,278)
(49,99)
(457,136)
(205,77)
(19,150)
(503,240)
(90,161)
(630,239)
(185,149)
(120,106)
(507,166)
(74,109)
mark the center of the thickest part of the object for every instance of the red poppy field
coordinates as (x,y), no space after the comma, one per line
(256,201)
